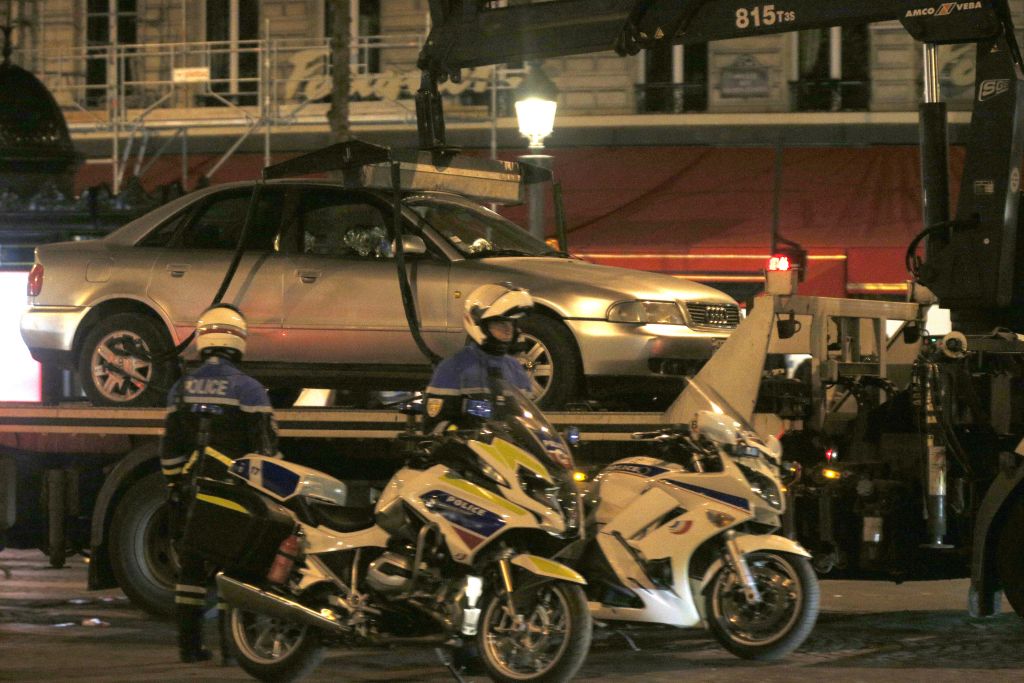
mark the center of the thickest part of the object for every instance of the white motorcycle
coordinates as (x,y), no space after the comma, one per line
(458,546)
(691,536)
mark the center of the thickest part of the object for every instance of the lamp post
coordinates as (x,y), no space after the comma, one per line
(536,101)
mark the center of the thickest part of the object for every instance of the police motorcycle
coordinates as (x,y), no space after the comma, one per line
(693,535)
(457,549)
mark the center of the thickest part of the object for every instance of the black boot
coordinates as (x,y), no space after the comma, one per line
(227,650)
(190,635)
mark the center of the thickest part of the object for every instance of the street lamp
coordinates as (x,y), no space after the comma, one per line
(536,101)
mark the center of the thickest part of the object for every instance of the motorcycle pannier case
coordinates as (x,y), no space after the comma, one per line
(235,528)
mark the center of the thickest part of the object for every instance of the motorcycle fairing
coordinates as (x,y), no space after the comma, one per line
(646,529)
(479,517)
(283,480)
(636,469)
(541,566)
(738,502)
(509,457)
(465,514)
(323,540)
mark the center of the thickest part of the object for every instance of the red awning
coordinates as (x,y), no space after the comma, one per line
(707,212)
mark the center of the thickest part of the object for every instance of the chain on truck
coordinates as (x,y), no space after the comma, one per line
(910,443)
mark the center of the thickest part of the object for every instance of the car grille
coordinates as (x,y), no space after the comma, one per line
(705,316)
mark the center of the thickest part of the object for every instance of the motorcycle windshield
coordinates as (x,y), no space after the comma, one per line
(706,398)
(526,421)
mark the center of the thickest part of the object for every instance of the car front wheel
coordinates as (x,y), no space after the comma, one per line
(125,361)
(548,353)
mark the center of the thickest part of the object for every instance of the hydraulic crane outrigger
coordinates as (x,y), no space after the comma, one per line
(969,404)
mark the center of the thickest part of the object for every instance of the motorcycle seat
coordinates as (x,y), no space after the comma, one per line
(341,518)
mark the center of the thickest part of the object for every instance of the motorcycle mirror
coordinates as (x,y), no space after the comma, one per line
(479,408)
(572,435)
(911,333)
(717,427)
(786,328)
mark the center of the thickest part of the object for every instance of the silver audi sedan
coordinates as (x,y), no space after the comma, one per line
(319,286)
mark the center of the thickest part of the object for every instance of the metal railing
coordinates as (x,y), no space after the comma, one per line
(132,92)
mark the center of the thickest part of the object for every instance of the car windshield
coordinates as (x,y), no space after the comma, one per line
(478,232)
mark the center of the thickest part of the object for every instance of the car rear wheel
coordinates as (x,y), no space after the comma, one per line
(548,353)
(125,361)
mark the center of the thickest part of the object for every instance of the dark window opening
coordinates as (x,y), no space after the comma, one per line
(661,93)
(815,89)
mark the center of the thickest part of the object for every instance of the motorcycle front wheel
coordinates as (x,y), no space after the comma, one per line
(272,649)
(544,636)
(780,622)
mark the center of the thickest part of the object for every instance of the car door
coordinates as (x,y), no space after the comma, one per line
(342,299)
(189,271)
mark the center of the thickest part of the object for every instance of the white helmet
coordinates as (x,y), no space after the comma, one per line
(221,327)
(494,302)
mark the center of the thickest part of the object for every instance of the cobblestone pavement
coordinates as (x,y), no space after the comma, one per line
(52,629)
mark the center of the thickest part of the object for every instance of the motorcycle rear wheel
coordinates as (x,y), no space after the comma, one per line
(780,622)
(274,650)
(547,638)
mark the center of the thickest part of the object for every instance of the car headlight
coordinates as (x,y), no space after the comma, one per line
(643,312)
(763,486)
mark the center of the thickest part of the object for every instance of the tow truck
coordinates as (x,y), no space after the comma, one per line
(911,443)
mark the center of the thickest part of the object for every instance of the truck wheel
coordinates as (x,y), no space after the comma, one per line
(548,353)
(1009,560)
(141,555)
(116,366)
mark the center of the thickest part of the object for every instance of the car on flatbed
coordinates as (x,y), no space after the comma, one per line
(318,283)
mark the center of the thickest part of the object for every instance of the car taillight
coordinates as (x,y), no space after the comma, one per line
(35,280)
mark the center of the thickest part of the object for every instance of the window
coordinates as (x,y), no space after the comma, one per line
(162,236)
(832,71)
(477,232)
(101,32)
(675,79)
(364,31)
(218,224)
(342,225)
(234,60)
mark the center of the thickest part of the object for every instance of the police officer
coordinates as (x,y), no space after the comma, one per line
(215,414)
(490,318)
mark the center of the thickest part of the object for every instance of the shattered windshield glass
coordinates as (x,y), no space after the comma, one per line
(477,232)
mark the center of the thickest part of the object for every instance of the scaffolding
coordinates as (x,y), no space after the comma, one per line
(157,94)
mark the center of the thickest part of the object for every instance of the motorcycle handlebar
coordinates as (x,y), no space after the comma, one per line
(663,434)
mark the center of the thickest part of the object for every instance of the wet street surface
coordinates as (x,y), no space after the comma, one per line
(52,629)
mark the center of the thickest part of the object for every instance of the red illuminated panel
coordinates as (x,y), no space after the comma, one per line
(22,377)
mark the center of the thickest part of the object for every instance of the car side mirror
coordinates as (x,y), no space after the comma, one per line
(411,244)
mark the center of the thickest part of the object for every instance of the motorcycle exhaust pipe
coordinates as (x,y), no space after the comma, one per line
(252,599)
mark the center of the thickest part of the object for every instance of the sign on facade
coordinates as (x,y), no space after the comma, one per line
(191,74)
(745,77)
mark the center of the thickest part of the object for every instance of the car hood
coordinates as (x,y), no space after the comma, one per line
(578,289)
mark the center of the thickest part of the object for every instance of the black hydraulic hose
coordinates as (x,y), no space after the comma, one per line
(913,263)
(408,303)
(229,274)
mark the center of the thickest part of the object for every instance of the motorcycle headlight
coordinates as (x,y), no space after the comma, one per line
(763,485)
(643,312)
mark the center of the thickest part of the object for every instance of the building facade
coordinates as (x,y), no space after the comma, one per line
(210,90)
